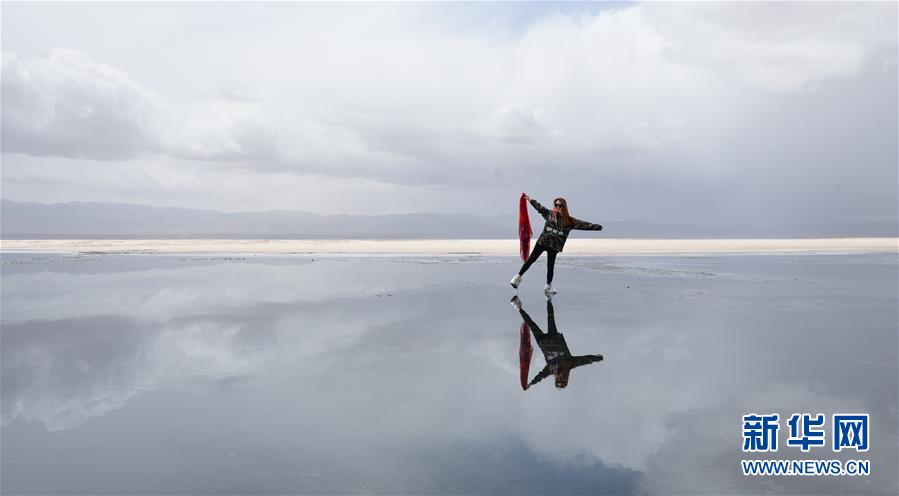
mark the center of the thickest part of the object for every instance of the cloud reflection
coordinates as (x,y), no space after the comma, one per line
(391,367)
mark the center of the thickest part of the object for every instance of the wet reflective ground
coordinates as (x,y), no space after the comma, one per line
(213,375)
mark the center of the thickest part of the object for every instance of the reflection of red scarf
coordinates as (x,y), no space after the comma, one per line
(524,228)
(524,354)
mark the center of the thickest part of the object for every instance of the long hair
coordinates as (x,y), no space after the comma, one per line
(562,376)
(567,221)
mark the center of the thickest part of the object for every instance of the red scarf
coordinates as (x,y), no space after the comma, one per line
(524,228)
(524,354)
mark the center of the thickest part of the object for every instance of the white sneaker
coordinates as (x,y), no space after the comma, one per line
(516,302)
(516,281)
(549,289)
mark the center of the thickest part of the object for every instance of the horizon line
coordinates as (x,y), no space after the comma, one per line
(455,247)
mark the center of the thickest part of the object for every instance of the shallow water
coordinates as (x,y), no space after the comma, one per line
(265,374)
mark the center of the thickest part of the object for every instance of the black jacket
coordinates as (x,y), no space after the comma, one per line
(555,349)
(554,234)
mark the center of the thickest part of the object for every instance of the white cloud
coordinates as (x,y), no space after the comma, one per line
(777,48)
(595,83)
(664,95)
(68,105)
(230,129)
(519,123)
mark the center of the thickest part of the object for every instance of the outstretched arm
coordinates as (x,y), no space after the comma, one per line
(586,226)
(546,372)
(577,361)
(540,208)
(530,322)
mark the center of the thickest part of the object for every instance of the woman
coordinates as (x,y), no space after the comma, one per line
(558,224)
(559,360)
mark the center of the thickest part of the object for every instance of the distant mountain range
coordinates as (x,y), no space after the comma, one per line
(99,220)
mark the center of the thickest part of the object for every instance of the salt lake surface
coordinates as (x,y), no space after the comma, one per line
(181,374)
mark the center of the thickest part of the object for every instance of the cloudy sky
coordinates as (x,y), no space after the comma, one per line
(705,113)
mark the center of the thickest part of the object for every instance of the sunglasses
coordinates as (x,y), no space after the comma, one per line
(559,205)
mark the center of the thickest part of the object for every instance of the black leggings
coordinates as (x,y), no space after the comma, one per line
(550,260)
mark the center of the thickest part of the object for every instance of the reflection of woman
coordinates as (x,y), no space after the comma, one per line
(559,360)
(558,225)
